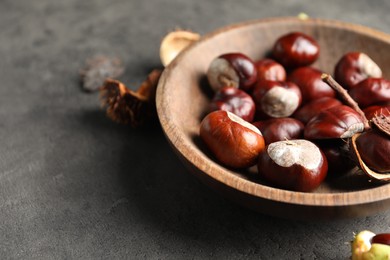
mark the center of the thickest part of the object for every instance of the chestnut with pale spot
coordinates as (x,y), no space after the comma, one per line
(276,98)
(293,164)
(354,67)
(232,140)
(232,70)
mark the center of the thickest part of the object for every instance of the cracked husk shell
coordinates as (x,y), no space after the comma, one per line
(174,42)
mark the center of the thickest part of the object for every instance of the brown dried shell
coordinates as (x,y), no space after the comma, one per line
(174,42)
(371,173)
(126,106)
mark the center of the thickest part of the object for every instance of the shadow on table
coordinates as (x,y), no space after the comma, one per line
(177,204)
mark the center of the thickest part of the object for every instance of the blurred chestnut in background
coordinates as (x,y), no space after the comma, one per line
(280,129)
(276,98)
(354,67)
(232,140)
(268,69)
(336,122)
(309,81)
(371,91)
(314,107)
(294,164)
(295,49)
(234,100)
(232,70)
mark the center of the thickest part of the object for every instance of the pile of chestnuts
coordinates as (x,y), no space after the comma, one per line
(292,121)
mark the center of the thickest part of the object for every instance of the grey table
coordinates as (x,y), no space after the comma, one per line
(73,184)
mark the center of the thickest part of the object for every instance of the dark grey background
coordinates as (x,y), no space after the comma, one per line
(75,185)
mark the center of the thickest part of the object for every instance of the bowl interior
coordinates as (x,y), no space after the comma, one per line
(183,96)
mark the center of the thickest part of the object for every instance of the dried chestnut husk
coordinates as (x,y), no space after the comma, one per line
(375,110)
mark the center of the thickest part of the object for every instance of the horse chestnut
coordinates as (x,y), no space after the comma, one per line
(336,122)
(314,107)
(354,67)
(276,98)
(371,91)
(232,140)
(233,70)
(296,50)
(280,129)
(311,84)
(234,100)
(337,154)
(268,69)
(294,164)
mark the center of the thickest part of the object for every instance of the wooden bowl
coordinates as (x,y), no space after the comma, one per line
(183,95)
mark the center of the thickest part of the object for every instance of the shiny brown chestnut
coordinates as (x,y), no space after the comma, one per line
(309,81)
(232,140)
(336,122)
(295,49)
(294,164)
(374,149)
(354,67)
(374,110)
(276,98)
(314,107)
(371,91)
(383,238)
(280,129)
(268,69)
(337,154)
(233,70)
(234,100)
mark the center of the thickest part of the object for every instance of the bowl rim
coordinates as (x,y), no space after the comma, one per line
(224,175)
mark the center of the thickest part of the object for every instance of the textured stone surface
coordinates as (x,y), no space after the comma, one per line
(75,185)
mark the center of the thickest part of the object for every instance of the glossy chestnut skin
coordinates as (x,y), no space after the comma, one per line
(374,110)
(276,98)
(268,69)
(232,69)
(294,164)
(371,91)
(280,129)
(295,49)
(336,122)
(309,81)
(374,149)
(314,107)
(337,154)
(383,238)
(233,141)
(354,67)
(234,100)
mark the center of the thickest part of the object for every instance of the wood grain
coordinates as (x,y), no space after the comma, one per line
(183,96)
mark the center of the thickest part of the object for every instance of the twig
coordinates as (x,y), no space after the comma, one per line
(346,97)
